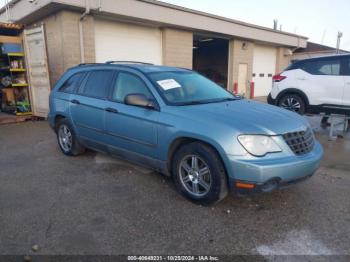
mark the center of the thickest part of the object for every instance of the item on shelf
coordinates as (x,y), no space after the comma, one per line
(19,80)
(6,81)
(14,64)
(1,99)
(11,48)
(23,106)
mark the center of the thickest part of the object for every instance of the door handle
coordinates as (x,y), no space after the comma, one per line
(301,78)
(74,101)
(112,110)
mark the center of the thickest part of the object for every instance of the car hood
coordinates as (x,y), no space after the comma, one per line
(245,116)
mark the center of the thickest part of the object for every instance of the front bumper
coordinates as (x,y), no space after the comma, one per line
(269,174)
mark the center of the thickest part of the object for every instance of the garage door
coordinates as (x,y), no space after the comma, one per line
(264,67)
(119,41)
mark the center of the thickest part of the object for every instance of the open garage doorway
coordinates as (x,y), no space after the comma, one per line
(210,58)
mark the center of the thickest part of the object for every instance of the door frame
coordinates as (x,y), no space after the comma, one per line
(41,28)
(244,89)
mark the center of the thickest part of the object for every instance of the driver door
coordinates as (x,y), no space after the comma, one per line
(131,130)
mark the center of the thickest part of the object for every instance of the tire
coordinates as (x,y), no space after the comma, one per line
(67,139)
(191,175)
(293,102)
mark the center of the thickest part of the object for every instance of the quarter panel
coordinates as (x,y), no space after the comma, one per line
(321,89)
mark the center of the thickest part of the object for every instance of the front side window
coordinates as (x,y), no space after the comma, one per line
(98,83)
(72,83)
(127,84)
(183,88)
(322,67)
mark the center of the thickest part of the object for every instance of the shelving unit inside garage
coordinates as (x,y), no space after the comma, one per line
(14,87)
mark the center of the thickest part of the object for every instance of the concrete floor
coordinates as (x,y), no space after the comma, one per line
(93,204)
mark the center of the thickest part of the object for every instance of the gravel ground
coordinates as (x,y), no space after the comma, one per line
(93,204)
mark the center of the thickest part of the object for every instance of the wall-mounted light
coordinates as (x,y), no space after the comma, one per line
(288,52)
(206,40)
(244,46)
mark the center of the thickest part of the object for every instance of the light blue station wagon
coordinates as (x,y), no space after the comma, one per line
(181,124)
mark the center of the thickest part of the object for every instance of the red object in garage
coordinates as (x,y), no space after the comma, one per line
(252,87)
(235,88)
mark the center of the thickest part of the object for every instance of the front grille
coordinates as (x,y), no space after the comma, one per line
(301,142)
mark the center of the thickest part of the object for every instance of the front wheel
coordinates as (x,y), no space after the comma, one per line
(199,174)
(293,103)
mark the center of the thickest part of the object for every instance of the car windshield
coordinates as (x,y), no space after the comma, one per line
(186,88)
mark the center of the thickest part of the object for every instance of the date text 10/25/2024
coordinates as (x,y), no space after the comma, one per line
(173,258)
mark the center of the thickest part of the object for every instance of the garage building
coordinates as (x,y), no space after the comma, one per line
(63,33)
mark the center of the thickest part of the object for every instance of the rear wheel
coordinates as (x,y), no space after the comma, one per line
(199,174)
(292,102)
(67,139)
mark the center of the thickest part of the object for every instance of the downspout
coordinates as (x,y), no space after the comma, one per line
(81,33)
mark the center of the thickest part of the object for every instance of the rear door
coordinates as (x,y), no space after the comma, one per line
(36,58)
(321,81)
(87,107)
(346,95)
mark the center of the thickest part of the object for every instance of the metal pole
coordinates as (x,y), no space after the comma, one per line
(340,34)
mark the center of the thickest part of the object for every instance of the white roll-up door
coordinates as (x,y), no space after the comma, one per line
(127,42)
(264,67)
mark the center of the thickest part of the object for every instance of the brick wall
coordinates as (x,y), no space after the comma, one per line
(63,41)
(177,48)
(89,39)
(282,60)
(239,53)
(54,46)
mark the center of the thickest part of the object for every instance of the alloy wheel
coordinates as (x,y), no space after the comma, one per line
(65,138)
(195,175)
(291,103)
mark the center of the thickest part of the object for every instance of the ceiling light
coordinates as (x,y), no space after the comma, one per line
(206,40)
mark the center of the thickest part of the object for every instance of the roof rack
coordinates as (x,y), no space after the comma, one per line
(82,64)
(129,62)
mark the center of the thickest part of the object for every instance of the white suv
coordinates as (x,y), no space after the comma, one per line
(314,85)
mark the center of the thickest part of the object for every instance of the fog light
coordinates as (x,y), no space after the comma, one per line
(270,185)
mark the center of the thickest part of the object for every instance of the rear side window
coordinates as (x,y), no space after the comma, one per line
(322,67)
(98,84)
(72,83)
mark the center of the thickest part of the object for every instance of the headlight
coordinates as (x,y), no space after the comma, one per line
(258,145)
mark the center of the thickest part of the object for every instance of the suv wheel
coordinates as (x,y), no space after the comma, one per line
(67,139)
(199,174)
(293,103)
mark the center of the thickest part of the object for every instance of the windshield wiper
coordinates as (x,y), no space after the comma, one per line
(229,99)
(200,102)
(194,102)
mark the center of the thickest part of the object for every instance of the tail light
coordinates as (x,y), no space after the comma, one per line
(278,78)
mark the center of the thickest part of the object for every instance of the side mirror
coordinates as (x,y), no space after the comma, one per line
(140,100)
